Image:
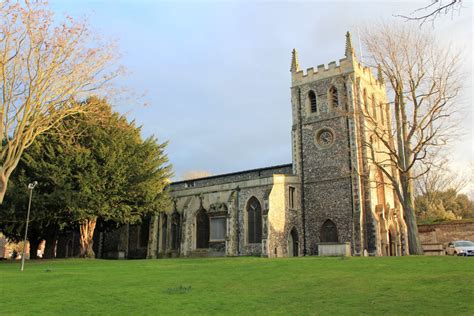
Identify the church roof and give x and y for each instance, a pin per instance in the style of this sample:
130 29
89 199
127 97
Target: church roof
259 171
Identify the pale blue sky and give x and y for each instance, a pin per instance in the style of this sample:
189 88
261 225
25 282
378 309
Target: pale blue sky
216 73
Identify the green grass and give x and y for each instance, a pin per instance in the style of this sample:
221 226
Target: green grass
297 286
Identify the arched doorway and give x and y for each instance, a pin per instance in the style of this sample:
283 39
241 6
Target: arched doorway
202 229
293 243
329 232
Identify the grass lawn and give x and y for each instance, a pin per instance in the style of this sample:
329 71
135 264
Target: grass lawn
310 285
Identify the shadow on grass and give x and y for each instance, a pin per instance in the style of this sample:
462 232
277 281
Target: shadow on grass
178 290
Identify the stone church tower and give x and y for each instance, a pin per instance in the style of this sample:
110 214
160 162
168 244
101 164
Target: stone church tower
345 198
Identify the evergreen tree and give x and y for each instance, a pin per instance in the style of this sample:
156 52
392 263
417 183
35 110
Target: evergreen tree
105 170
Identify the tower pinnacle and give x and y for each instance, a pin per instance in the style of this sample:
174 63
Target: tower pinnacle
349 48
294 61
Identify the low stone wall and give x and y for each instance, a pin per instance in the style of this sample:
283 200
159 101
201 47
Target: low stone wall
334 249
443 233
433 249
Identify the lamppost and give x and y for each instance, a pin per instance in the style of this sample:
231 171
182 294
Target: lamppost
31 186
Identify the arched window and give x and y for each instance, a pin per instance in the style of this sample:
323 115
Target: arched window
254 222
312 101
175 230
333 97
202 229
366 102
329 232
374 107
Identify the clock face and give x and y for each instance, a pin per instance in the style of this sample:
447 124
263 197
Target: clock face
324 137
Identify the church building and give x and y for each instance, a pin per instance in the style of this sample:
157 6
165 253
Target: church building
331 200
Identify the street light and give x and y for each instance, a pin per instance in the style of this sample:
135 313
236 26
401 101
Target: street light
31 186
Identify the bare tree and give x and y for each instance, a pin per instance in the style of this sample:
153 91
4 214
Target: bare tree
423 81
44 66
433 10
441 178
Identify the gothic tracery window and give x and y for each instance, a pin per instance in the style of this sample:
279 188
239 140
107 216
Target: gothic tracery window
254 220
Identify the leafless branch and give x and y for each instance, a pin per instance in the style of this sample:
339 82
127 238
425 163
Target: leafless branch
45 67
433 10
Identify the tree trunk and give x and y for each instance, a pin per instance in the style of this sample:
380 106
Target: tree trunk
50 246
414 242
3 185
406 187
86 228
34 244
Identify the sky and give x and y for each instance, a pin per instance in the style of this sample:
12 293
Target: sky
215 74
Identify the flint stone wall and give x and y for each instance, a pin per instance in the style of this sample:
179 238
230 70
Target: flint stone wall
327 182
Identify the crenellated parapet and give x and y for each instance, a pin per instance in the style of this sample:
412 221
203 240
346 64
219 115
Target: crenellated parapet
348 65
322 72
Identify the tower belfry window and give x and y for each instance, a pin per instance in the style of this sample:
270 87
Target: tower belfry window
334 99
312 101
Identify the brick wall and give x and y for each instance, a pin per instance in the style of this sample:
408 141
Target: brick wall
445 232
